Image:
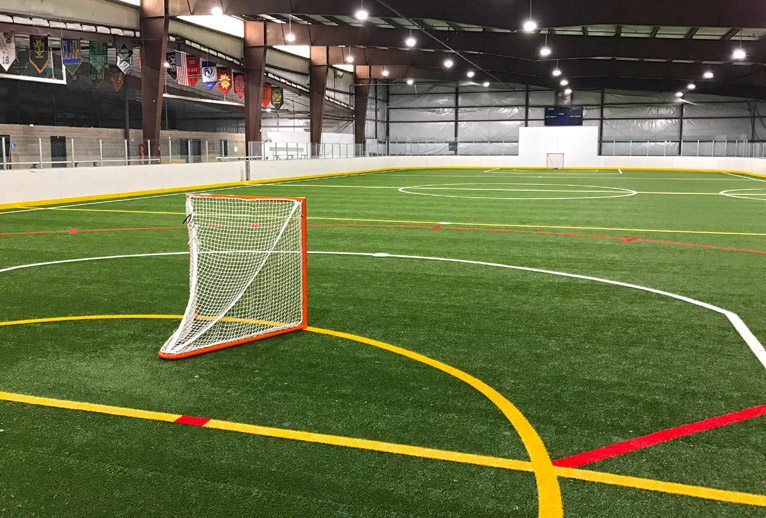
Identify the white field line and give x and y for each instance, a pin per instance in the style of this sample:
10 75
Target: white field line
620 170
745 177
739 325
490 170
742 194
611 192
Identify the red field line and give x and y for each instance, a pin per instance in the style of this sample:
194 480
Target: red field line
651 439
196 421
75 230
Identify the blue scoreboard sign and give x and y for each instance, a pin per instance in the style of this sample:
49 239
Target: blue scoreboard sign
563 115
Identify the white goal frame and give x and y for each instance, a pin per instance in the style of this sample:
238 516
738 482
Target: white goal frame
554 161
247 272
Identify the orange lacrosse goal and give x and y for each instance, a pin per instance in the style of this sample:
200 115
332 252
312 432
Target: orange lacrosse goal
247 272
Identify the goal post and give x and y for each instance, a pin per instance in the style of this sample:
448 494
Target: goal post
554 160
247 272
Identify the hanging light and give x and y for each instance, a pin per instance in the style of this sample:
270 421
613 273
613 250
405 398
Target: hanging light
568 91
410 82
485 84
708 75
448 63
216 11
556 72
691 86
290 37
470 74
739 54
349 59
530 26
545 51
385 72
679 94
411 41
362 14
564 82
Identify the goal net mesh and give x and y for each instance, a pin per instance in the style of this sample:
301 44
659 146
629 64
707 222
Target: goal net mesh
247 272
554 161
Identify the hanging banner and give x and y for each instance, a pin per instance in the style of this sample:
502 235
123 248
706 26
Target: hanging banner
266 95
209 74
7 50
22 62
70 55
39 55
116 77
277 97
182 69
97 55
239 85
96 76
224 80
170 60
124 58
194 70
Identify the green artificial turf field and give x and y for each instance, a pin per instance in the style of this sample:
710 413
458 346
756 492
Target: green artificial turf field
589 364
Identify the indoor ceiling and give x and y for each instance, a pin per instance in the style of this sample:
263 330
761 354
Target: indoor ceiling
652 44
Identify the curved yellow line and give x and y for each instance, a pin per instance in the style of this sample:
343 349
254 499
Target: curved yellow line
549 491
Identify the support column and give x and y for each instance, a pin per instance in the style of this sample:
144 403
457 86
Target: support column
154 45
361 100
255 68
318 67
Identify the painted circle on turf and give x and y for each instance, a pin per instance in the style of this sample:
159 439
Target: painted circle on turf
746 194
495 191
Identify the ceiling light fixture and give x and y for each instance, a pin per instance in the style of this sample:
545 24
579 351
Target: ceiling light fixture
545 51
362 14
216 11
470 74
679 94
739 54
556 72
485 84
691 86
385 72
449 63
410 41
564 82
530 26
290 37
708 74
568 91
410 82
349 59
166 64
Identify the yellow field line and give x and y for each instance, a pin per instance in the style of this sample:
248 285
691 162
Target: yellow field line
549 491
404 449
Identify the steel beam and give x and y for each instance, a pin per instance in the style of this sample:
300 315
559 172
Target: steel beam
361 99
318 67
255 67
154 44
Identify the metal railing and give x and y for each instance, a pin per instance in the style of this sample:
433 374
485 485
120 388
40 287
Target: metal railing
52 152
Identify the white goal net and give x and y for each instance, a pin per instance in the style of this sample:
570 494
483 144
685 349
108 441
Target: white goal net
554 161
247 277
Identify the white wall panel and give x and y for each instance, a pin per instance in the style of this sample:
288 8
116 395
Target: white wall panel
656 129
499 113
489 98
422 131
489 130
719 129
423 114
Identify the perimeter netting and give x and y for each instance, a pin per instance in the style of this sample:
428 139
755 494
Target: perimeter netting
554 161
247 272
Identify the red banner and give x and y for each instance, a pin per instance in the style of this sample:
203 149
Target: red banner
224 80
239 85
194 69
266 95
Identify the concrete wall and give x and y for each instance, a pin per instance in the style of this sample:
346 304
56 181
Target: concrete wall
46 184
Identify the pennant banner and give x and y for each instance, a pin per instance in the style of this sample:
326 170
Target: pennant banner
39 54
182 69
70 55
116 77
170 64
96 76
124 58
277 97
97 55
209 74
224 80
194 69
266 95
7 50
239 85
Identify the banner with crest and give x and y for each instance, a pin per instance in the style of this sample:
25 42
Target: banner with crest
277 97
39 53
209 74
116 77
124 58
224 80
7 50
239 85
170 59
97 55
70 55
